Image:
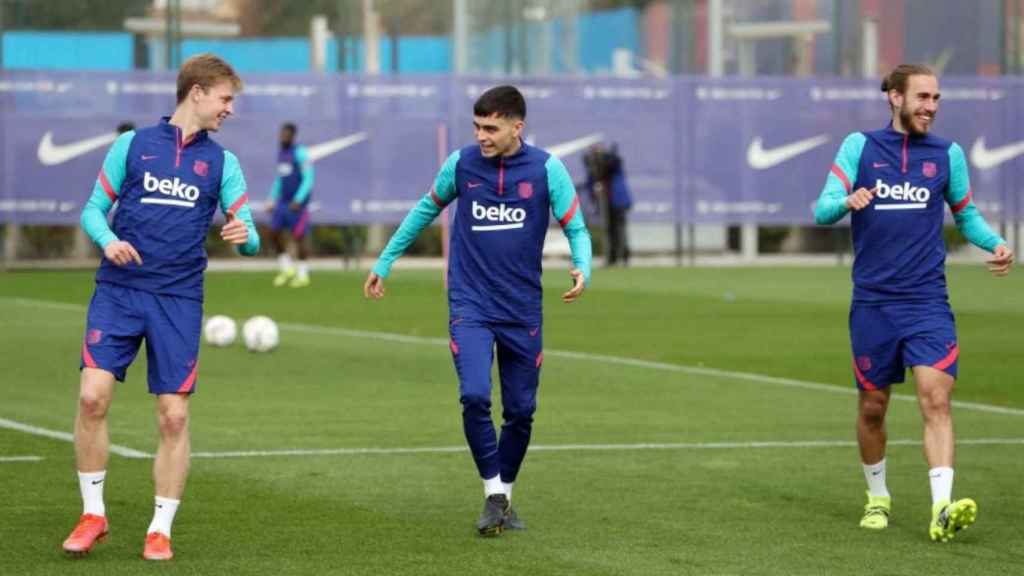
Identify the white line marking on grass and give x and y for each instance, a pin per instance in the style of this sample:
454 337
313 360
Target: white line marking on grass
67 437
5 459
752 445
648 364
617 360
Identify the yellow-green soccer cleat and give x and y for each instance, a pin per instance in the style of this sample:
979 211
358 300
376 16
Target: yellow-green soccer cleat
949 518
299 282
876 512
283 277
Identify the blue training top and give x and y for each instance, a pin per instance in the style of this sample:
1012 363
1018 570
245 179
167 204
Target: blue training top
501 219
166 192
899 253
295 176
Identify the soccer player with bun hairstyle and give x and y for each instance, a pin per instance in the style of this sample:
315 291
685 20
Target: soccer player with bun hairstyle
507 191
896 183
167 181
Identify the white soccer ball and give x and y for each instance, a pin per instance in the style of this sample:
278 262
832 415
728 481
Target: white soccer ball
220 331
260 334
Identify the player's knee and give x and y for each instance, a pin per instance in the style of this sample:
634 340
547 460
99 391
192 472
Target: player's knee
173 421
474 402
521 413
935 404
872 412
93 405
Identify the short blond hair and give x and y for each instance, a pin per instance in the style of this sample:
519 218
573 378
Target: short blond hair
206 70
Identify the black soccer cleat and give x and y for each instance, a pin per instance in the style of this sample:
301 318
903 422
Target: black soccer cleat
492 518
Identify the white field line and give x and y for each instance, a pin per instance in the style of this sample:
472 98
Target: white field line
7 459
589 357
754 445
67 437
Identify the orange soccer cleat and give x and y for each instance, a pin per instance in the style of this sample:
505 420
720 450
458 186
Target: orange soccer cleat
90 530
158 547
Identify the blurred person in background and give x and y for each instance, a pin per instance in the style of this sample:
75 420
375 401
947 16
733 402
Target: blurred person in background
167 181
289 208
606 184
895 182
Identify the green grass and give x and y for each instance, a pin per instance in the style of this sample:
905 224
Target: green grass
706 510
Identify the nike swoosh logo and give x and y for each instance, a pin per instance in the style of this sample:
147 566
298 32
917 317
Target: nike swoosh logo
97 482
51 154
879 164
325 149
985 158
761 159
573 146
144 157
473 184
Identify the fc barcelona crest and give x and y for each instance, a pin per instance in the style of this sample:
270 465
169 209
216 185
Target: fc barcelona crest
201 168
929 170
525 190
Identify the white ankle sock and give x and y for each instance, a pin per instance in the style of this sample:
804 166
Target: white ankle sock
493 486
875 475
91 486
284 261
163 516
942 484
303 269
507 486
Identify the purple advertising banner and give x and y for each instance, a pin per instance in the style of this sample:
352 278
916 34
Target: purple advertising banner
695 150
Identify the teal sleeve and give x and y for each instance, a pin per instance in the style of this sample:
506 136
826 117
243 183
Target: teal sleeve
105 192
429 206
565 206
968 218
831 205
275 189
234 199
306 186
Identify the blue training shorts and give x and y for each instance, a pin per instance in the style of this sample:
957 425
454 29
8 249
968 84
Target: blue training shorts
295 221
889 338
120 317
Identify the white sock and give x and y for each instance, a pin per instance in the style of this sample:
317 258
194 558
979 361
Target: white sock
284 261
942 484
303 269
91 486
507 486
875 475
163 516
493 486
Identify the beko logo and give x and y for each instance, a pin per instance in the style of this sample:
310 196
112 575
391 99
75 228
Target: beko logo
504 217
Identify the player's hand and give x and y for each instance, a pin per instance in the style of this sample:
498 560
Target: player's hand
577 287
268 206
235 231
374 287
860 199
294 206
1002 258
121 253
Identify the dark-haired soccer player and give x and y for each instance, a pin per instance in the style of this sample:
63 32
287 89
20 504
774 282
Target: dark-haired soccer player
289 207
896 182
506 190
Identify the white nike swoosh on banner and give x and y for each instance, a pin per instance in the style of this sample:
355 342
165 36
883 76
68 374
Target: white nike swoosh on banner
51 154
984 158
574 146
761 159
325 149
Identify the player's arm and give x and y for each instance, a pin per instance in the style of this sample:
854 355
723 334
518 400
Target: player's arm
234 203
838 197
968 218
565 208
306 170
430 205
275 193
104 194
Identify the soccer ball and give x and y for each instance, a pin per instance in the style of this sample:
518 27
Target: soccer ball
260 334
220 331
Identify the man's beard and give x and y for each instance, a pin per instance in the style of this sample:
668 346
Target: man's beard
907 120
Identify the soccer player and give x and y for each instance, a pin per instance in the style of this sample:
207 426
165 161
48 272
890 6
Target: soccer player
895 181
167 180
505 189
288 204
